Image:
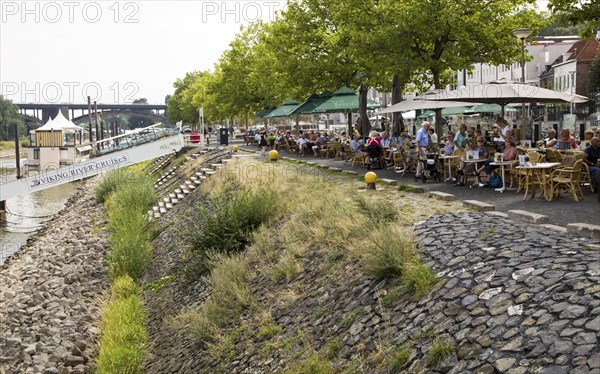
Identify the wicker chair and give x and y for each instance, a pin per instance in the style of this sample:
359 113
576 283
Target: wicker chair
566 180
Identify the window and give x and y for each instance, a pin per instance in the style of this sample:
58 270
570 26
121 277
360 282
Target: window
36 154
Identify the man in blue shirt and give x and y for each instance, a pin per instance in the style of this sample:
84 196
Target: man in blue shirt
590 157
423 136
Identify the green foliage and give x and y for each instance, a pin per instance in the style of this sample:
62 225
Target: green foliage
578 12
418 279
439 351
110 182
268 331
123 342
124 287
313 364
160 283
334 346
225 226
378 211
387 255
398 358
131 195
9 117
409 188
427 333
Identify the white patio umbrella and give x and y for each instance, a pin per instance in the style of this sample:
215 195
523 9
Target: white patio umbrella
422 102
504 93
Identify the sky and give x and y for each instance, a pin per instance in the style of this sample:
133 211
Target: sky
115 51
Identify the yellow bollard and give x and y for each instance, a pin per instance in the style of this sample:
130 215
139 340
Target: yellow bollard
273 155
371 178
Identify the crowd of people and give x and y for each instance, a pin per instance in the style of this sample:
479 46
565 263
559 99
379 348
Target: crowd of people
426 143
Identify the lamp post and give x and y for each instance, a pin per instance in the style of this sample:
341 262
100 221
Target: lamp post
523 34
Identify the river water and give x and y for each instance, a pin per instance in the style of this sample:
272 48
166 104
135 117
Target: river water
29 212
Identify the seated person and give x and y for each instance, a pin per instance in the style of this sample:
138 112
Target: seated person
590 157
450 146
565 137
587 140
386 141
509 154
432 135
551 140
356 144
302 144
271 140
462 138
373 140
472 167
319 143
343 139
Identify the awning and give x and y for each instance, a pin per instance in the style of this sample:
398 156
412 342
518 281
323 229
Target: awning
84 148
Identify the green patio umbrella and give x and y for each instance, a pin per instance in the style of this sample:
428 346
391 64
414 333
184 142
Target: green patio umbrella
426 114
455 110
267 109
311 103
284 110
344 100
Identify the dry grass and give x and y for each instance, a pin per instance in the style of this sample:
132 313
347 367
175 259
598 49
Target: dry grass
317 215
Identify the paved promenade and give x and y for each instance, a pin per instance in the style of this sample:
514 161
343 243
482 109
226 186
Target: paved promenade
560 212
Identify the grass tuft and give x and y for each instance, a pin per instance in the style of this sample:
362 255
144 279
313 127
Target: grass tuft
378 211
398 358
313 364
418 279
388 253
439 351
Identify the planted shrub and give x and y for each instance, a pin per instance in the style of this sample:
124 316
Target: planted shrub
226 223
110 182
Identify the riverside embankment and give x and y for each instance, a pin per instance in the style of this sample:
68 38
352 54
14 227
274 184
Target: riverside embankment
51 292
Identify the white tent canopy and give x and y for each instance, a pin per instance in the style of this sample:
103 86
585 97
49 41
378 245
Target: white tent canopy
59 123
421 102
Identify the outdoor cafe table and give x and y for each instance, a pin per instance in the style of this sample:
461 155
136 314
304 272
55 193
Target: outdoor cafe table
502 164
536 176
449 162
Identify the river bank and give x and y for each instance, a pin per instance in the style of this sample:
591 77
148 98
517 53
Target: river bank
28 213
51 292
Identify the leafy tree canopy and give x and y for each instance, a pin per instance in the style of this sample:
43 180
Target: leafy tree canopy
9 117
580 13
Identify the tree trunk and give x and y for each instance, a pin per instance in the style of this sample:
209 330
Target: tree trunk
397 120
439 120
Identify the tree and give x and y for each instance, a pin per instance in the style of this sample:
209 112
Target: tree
585 13
177 108
9 117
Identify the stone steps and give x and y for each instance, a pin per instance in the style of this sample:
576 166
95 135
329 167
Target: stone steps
184 188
